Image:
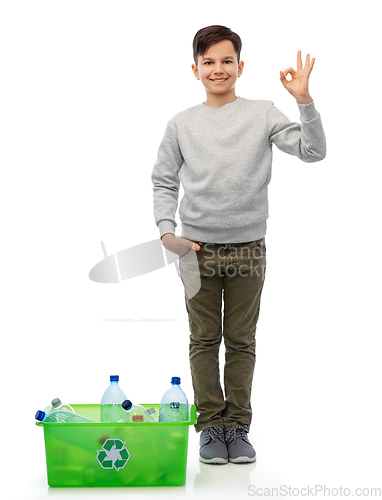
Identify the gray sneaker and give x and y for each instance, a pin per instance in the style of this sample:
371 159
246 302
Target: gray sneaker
240 449
213 449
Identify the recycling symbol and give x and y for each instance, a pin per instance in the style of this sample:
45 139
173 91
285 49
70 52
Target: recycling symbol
113 454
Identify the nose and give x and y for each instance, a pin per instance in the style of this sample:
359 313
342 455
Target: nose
218 69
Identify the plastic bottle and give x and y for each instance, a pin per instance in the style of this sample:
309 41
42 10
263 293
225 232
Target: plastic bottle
56 404
174 414
136 413
168 410
151 411
60 416
111 409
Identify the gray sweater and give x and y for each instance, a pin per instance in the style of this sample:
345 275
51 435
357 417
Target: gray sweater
223 158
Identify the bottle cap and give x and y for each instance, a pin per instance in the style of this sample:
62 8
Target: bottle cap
56 402
114 378
127 404
175 380
40 415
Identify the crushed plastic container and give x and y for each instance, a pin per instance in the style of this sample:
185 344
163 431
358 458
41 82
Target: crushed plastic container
116 454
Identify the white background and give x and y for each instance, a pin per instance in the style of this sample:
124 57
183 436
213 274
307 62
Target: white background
87 88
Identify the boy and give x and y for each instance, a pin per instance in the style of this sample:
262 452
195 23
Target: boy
221 151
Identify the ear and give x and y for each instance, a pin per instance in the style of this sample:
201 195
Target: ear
195 71
240 68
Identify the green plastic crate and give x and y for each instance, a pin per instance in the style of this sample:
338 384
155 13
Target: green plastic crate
116 454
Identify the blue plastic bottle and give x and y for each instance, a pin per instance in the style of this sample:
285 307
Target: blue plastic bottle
111 409
174 404
61 417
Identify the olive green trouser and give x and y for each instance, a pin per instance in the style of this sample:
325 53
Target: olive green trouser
235 272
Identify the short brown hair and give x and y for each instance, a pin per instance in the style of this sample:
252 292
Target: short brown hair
210 35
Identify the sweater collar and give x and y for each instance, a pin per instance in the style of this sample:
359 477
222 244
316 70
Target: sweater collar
229 105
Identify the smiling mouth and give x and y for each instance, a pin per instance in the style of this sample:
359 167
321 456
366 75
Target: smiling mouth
219 80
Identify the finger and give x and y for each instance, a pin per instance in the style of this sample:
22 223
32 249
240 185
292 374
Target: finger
299 62
195 246
311 65
284 81
290 70
307 61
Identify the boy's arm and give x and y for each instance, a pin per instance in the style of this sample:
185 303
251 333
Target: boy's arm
306 140
166 181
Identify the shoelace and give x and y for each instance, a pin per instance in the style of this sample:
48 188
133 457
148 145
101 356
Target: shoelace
215 433
236 433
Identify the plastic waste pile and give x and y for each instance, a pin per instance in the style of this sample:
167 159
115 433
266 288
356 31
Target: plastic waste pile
115 407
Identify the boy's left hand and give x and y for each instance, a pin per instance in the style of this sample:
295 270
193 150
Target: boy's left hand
298 86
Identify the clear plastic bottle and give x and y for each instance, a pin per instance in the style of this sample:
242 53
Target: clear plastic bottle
136 413
60 416
56 404
174 400
151 411
111 409
174 414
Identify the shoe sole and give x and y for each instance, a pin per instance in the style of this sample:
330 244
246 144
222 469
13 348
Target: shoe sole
242 460
217 460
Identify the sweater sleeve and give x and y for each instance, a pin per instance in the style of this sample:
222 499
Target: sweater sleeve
305 140
166 181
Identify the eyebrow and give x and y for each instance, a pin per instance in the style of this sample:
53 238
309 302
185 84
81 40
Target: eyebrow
210 58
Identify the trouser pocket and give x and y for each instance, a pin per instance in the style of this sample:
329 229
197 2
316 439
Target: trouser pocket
259 247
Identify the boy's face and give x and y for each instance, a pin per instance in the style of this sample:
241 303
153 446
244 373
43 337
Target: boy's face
219 62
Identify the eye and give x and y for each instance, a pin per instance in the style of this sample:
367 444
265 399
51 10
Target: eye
210 62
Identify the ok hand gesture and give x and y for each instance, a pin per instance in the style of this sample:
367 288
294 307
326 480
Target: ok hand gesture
298 85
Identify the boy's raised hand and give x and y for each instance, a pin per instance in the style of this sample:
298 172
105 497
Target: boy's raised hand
298 85
180 246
